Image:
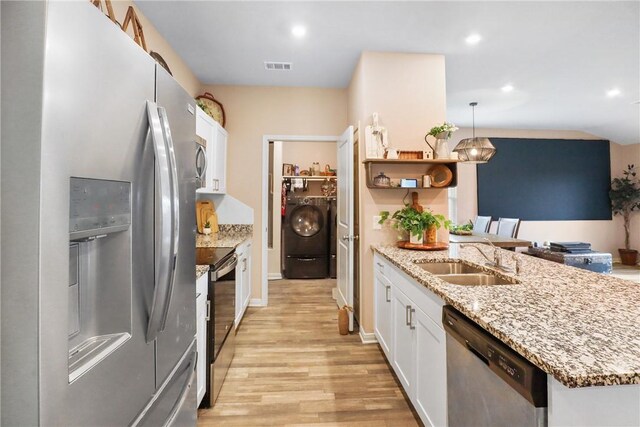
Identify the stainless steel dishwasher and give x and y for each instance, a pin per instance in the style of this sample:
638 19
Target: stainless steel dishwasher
489 384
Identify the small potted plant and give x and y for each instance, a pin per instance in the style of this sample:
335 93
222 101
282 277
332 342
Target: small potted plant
417 224
434 222
443 131
206 228
625 199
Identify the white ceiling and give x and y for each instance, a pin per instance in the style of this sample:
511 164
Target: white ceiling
561 57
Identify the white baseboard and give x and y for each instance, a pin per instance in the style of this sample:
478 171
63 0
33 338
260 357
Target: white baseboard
257 302
367 337
274 276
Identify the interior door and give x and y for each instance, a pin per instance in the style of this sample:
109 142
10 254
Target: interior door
345 236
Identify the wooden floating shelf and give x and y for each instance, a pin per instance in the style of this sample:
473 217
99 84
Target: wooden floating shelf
412 165
410 161
311 177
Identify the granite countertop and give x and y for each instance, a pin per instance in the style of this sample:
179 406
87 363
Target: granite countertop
229 236
580 327
201 270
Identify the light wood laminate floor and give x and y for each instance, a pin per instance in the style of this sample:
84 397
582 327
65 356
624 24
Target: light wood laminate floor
291 367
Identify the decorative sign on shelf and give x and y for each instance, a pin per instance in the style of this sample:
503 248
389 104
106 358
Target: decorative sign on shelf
138 34
212 107
110 14
131 18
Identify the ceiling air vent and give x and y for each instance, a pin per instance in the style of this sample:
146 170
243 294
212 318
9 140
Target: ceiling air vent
278 66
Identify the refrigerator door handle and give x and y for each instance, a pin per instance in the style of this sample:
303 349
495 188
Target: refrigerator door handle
164 264
175 208
185 390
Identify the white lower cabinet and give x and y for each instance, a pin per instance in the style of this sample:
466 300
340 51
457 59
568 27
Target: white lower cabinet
243 280
201 334
430 394
246 278
409 330
382 326
403 354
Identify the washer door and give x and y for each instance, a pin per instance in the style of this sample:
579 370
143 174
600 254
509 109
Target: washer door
306 221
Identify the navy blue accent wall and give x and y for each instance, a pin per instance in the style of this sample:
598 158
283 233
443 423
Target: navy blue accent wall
546 180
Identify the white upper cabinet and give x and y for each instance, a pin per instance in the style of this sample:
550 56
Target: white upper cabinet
216 138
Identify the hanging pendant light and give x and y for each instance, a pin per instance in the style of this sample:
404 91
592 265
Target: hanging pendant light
475 150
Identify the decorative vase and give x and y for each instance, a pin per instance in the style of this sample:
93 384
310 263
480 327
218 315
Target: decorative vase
416 240
441 146
431 234
628 256
206 231
343 320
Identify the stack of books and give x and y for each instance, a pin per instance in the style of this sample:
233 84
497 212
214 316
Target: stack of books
571 247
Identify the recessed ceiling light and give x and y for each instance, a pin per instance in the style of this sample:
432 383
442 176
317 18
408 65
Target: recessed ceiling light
613 92
507 88
299 31
473 39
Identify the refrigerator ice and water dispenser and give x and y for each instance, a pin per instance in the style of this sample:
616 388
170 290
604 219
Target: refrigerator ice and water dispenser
100 281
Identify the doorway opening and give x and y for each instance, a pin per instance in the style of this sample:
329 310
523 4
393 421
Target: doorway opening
300 186
301 207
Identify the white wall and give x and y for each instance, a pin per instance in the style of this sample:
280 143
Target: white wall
229 209
253 112
605 236
304 153
409 93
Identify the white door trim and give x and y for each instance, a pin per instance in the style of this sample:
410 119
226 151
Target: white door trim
264 274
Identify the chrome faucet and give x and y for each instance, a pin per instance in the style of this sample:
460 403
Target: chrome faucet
516 260
497 256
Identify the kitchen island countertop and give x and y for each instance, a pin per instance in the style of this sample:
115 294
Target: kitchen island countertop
578 326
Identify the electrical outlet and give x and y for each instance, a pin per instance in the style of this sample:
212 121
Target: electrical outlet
376 224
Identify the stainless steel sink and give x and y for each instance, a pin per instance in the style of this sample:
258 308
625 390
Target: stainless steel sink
448 268
463 274
479 279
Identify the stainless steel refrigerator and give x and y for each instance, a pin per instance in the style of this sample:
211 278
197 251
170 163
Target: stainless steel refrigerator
98 228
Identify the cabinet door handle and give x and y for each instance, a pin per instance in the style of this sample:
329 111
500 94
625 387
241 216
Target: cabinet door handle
411 311
407 311
387 297
244 264
208 311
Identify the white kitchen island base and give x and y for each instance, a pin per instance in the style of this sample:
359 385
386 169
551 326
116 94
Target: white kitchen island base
405 308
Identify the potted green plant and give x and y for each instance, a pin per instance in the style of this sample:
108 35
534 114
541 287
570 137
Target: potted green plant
625 199
417 224
443 131
434 222
206 228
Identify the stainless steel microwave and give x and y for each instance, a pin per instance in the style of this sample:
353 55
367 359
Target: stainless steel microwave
201 162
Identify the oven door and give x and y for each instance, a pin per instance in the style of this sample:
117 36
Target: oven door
224 303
